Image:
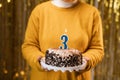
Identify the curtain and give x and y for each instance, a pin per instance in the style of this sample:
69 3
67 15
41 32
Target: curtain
14 15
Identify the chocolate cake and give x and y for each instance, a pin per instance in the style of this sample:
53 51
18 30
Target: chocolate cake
63 57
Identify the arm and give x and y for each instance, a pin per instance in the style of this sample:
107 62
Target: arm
95 51
31 48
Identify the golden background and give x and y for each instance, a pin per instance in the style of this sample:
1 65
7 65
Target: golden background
13 19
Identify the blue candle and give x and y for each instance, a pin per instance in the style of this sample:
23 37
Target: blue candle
64 37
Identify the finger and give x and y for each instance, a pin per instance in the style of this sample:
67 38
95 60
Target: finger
86 58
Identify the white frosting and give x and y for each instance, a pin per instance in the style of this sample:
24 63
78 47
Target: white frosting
64 52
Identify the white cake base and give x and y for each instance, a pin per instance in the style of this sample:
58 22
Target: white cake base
63 69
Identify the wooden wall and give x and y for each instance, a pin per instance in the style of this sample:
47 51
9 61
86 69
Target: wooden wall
13 19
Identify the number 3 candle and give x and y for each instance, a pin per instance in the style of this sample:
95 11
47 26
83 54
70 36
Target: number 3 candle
64 37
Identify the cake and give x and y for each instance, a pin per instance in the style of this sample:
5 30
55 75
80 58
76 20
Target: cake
63 57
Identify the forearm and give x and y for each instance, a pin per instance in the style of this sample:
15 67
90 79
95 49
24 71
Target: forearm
31 53
94 56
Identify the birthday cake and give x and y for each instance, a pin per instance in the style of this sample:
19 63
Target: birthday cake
63 59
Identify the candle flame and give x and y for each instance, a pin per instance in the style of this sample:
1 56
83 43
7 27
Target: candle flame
65 30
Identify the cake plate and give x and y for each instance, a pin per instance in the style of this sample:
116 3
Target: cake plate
63 69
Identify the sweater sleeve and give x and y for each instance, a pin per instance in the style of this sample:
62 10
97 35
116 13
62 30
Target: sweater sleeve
30 47
95 51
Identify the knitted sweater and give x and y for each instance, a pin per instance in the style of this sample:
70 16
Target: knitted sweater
81 23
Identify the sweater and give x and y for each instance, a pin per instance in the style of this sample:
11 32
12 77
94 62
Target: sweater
81 23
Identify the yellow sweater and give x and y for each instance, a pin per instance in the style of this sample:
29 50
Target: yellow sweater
48 22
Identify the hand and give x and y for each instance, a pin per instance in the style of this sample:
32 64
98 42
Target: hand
39 59
86 58
85 64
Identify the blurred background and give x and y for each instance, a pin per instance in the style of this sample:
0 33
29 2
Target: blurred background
13 19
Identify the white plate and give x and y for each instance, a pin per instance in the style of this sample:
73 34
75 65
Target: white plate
63 69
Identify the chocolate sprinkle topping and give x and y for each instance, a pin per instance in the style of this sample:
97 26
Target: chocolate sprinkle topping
66 61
